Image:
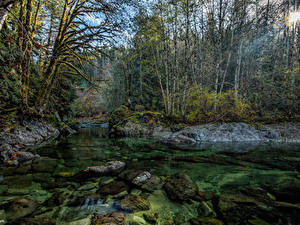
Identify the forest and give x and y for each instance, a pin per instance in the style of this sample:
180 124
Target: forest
195 61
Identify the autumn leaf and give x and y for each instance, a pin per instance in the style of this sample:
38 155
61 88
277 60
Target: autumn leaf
13 156
37 45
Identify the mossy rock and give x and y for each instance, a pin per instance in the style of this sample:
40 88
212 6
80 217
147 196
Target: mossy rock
119 115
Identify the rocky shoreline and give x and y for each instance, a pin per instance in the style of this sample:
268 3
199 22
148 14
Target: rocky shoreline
212 133
15 142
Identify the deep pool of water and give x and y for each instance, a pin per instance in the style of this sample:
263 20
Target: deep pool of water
248 171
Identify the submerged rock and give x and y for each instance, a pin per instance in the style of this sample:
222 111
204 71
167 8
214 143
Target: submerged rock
25 156
181 187
19 208
114 218
133 203
152 184
113 188
141 178
112 167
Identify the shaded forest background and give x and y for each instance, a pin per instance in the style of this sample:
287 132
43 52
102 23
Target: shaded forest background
196 61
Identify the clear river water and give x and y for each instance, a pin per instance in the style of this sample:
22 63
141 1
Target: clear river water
237 183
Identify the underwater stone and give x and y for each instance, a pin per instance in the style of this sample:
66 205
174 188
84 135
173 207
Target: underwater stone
134 203
20 207
113 188
180 187
154 183
25 156
108 168
136 192
114 218
141 178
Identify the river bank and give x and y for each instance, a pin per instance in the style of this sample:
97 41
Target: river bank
15 142
227 132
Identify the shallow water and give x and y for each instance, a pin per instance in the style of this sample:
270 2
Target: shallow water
215 167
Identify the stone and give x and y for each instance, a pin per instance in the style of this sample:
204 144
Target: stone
114 218
5 147
152 184
112 167
88 187
20 207
180 187
136 192
25 156
141 178
113 188
129 175
58 198
133 203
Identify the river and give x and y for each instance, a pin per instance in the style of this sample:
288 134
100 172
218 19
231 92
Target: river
248 183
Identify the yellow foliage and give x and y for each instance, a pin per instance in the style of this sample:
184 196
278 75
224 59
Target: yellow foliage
206 107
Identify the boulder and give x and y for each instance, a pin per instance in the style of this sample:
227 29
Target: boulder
141 178
114 218
5 147
152 184
19 208
113 167
25 156
181 187
133 203
113 188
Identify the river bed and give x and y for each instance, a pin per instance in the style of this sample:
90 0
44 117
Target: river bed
237 183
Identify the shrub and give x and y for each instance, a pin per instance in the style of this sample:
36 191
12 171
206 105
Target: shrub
205 107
